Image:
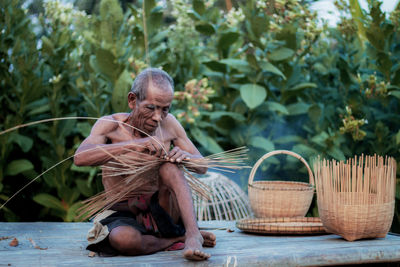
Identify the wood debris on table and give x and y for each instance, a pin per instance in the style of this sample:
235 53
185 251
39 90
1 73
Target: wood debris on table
14 242
36 246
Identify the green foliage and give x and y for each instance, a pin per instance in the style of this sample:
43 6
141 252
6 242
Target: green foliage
263 75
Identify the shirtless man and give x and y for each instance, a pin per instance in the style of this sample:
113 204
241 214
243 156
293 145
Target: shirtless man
149 100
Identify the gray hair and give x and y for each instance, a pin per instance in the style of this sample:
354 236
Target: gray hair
157 77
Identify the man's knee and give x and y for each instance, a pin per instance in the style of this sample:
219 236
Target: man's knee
170 173
126 240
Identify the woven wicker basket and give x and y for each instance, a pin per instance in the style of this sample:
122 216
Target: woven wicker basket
356 199
227 200
280 198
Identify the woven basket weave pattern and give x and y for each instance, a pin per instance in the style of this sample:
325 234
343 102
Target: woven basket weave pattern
279 198
365 211
227 200
292 225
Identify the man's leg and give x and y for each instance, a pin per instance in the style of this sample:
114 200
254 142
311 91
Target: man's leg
129 241
172 177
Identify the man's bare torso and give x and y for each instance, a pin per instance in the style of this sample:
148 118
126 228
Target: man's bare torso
121 133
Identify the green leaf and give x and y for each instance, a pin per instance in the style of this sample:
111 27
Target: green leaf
206 141
239 64
68 194
205 28
234 115
302 86
84 188
267 66
259 24
314 112
358 16
227 39
198 6
1 187
263 143
298 108
18 166
47 46
320 139
49 201
336 153
395 94
397 190
84 128
148 6
253 95
398 138
280 54
72 212
107 64
304 150
119 98
320 68
277 107
25 143
215 66
288 139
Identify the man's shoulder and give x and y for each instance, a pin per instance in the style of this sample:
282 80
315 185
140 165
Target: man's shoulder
111 122
174 126
171 120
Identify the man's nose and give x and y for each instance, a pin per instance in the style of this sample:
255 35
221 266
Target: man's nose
157 115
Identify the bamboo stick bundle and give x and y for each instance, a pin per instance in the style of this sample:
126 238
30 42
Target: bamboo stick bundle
356 198
135 168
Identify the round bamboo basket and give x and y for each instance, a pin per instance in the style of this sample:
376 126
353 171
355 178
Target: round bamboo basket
227 200
280 198
356 198
282 226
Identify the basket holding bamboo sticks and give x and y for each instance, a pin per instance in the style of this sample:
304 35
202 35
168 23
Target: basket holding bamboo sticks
227 200
280 198
356 198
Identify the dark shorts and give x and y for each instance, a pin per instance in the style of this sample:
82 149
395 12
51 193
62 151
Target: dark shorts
154 220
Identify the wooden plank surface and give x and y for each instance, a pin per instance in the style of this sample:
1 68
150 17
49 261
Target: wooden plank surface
66 243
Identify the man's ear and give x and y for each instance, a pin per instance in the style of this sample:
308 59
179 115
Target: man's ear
132 99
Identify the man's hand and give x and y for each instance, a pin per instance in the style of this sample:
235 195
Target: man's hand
178 155
152 145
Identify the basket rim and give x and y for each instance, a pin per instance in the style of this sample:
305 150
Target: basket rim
301 186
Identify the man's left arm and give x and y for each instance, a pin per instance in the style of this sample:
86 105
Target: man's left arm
183 149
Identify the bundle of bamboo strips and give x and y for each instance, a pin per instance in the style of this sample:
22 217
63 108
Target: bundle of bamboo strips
136 166
356 198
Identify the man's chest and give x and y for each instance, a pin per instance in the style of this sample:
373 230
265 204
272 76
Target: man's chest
122 135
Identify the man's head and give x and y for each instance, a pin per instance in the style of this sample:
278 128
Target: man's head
150 99
158 78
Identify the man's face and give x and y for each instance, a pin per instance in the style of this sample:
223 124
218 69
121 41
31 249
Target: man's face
149 113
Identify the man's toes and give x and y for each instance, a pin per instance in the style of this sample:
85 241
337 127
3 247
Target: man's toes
196 255
209 243
201 254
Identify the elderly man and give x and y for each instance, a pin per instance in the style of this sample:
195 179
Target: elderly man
164 219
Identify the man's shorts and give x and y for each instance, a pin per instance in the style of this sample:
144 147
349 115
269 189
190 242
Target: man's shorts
151 220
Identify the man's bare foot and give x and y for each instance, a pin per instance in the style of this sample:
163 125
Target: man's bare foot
194 249
209 239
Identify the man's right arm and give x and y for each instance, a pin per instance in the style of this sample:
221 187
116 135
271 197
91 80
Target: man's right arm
94 151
